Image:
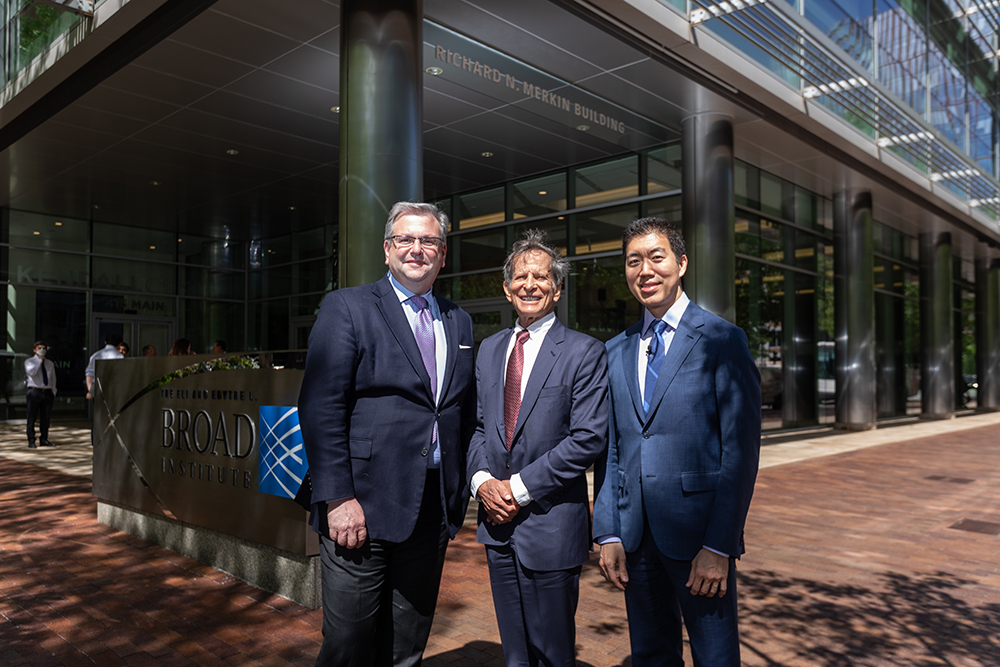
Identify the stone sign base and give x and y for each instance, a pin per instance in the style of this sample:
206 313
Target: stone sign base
294 577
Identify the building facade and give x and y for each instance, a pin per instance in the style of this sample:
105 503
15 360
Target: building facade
210 169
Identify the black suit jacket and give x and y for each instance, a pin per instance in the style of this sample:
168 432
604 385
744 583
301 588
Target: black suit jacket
367 411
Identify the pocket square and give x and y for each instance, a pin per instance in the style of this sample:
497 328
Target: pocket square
465 347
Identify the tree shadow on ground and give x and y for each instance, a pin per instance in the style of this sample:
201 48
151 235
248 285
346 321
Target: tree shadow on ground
897 619
476 654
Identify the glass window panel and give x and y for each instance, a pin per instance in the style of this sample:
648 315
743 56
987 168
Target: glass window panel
204 322
46 231
133 276
806 208
271 283
808 247
604 306
199 281
948 89
902 43
607 182
777 196
747 234
481 208
307 304
42 267
271 251
481 250
539 196
269 325
760 313
668 208
663 169
601 231
131 304
776 59
134 242
772 247
847 23
309 244
478 286
312 276
206 251
747 185
38 26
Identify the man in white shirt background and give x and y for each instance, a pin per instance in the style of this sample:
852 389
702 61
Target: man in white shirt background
41 380
109 351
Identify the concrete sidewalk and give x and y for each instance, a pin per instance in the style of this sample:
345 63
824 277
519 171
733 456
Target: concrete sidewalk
874 548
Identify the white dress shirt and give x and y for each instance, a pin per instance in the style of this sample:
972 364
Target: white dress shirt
107 352
536 331
33 369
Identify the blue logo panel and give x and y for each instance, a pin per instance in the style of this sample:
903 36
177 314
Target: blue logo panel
283 462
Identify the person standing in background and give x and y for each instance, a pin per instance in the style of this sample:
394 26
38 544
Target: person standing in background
41 379
109 351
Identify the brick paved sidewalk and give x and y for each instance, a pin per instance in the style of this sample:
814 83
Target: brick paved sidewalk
851 561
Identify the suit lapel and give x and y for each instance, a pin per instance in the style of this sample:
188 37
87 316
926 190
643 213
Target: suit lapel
399 326
629 363
548 354
451 346
498 361
687 334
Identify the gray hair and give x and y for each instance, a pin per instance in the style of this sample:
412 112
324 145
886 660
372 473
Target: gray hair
401 208
536 240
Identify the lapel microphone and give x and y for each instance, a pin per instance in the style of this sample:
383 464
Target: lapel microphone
649 350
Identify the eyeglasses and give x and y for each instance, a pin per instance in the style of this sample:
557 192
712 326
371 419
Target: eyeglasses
425 241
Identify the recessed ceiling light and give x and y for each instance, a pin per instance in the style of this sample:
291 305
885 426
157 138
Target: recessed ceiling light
232 151
37 233
291 208
154 183
486 154
58 224
152 247
434 71
96 206
583 128
179 240
561 218
542 192
335 109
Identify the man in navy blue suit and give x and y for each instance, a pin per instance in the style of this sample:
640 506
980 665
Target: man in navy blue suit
683 446
387 409
542 421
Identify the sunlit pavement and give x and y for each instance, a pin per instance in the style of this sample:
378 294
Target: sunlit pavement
875 548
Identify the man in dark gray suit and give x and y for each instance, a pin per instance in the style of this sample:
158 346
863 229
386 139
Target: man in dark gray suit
542 421
387 408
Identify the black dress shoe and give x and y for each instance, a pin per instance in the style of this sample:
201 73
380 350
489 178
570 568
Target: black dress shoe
31 445
46 443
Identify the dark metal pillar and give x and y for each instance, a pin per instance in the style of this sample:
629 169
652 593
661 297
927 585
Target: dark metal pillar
988 334
707 204
381 119
937 333
854 310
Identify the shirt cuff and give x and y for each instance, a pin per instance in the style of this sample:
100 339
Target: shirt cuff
607 539
520 491
478 478
715 551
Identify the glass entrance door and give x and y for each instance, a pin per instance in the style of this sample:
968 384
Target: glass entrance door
137 332
488 317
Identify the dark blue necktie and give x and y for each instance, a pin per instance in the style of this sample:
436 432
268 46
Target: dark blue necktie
45 375
654 361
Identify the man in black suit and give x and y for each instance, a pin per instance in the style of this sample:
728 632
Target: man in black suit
387 409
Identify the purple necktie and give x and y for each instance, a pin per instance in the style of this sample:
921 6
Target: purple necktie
423 331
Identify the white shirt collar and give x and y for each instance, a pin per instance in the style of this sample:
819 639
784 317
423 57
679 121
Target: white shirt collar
538 327
672 317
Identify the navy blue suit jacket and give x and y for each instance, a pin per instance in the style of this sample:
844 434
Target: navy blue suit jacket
367 412
561 429
689 465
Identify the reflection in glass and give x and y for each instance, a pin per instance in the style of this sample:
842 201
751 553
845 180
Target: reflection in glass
902 51
539 196
48 268
607 182
481 208
480 250
129 276
601 231
47 231
134 242
603 306
663 169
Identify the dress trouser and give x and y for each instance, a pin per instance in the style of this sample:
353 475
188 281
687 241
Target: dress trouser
39 406
378 600
656 600
536 610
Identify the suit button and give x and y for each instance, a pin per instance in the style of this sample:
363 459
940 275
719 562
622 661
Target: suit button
646 435
508 464
423 452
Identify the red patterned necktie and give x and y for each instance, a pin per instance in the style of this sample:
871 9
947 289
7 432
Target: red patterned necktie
512 386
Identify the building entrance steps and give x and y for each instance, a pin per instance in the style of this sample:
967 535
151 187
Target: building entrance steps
874 548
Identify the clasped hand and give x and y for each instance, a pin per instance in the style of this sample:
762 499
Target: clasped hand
498 501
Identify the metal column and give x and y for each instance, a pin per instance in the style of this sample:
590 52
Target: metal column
937 334
381 121
988 334
854 310
707 204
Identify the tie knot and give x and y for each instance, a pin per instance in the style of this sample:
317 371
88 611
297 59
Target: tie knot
420 301
522 336
658 326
